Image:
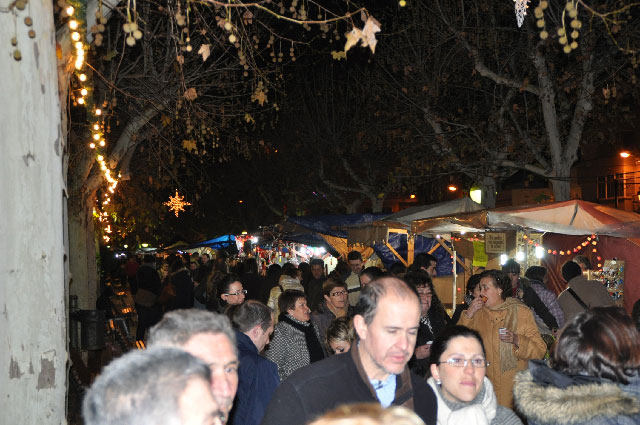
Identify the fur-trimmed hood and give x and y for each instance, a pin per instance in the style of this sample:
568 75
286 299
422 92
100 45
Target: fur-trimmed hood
589 403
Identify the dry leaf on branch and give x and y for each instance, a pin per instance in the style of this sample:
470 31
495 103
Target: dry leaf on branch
247 17
260 97
205 51
367 35
189 145
338 55
371 27
353 37
191 94
180 59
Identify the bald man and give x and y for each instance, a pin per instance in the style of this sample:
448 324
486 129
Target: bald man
374 370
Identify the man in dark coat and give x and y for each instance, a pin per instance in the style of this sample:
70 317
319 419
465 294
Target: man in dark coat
374 370
257 376
146 297
313 285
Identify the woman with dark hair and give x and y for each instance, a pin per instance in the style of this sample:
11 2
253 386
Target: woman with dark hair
508 330
594 374
230 292
304 270
433 319
334 305
295 342
458 378
271 280
635 314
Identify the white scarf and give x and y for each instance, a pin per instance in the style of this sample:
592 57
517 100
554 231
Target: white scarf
481 412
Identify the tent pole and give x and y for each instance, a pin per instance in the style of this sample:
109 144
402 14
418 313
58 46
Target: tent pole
455 281
394 252
442 244
410 248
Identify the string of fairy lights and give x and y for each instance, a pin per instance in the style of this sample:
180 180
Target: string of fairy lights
82 95
590 241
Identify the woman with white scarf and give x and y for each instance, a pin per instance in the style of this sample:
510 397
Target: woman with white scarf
465 395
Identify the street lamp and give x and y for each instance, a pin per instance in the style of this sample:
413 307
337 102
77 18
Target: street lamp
625 154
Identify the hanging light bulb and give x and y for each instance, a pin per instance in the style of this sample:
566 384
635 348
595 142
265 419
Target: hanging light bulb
102 143
82 77
73 24
84 93
75 36
92 145
81 101
96 126
98 111
70 10
96 136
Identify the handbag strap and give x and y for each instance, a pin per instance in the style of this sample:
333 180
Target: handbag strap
572 292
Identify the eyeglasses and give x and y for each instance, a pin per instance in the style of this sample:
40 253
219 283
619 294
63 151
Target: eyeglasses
338 294
243 292
478 362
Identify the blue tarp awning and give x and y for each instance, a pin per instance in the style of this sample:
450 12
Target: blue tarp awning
331 224
221 242
398 241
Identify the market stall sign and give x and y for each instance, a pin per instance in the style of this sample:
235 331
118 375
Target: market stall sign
495 243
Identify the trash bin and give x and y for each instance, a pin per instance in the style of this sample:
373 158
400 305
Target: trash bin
92 324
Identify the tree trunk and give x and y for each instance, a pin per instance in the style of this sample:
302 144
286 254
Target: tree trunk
562 184
82 258
352 207
488 187
32 294
376 204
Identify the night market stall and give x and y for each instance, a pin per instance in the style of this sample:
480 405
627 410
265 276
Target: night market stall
553 233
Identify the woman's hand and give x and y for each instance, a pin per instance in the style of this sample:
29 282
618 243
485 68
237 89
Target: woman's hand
475 305
509 337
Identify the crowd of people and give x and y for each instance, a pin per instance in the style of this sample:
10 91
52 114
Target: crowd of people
369 346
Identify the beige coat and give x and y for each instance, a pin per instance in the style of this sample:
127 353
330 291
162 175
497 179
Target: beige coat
591 292
530 345
287 283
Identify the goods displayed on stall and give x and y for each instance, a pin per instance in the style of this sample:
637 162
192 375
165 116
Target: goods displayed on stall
612 276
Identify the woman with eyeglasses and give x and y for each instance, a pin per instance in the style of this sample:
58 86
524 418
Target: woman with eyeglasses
458 377
334 305
231 292
508 330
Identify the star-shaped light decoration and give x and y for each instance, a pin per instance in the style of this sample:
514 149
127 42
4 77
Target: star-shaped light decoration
176 203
